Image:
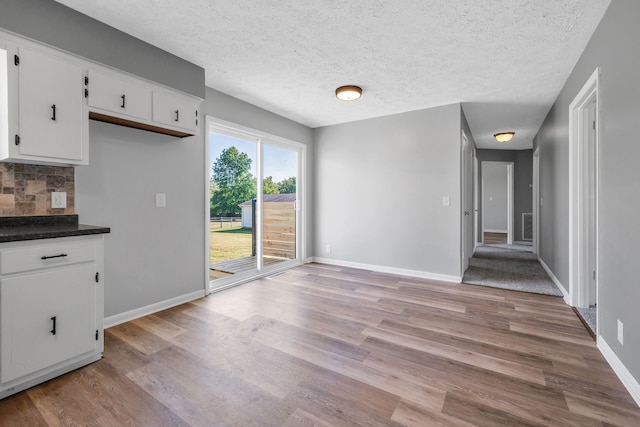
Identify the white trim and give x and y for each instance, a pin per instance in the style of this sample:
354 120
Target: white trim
464 229
536 201
476 204
621 371
510 200
390 270
577 248
207 209
555 280
150 309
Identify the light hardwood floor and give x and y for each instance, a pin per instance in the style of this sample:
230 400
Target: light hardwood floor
323 346
495 238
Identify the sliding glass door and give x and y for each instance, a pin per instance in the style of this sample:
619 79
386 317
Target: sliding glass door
279 201
254 204
232 185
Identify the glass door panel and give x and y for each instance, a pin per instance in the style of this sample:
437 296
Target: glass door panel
232 194
279 214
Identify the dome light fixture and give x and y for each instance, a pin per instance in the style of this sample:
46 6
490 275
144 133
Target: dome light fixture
348 93
504 136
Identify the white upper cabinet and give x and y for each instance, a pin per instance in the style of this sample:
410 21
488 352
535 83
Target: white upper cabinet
118 95
47 98
176 111
118 98
45 109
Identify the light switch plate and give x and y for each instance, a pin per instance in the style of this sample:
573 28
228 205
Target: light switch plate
58 199
161 200
446 201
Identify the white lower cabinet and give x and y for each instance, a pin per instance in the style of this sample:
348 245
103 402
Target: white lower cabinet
51 309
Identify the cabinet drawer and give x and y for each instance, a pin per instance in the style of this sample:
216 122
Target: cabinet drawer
44 256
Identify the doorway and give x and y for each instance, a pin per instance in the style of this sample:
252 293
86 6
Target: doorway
254 215
583 198
536 201
467 207
497 202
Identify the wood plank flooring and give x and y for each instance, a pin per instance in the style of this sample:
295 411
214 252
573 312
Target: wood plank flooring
327 346
495 238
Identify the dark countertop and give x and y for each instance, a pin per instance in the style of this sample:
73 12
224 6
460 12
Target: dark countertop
16 228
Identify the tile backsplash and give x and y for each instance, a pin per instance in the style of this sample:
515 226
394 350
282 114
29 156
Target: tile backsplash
26 189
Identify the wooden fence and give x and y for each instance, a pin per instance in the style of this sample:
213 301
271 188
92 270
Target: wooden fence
279 229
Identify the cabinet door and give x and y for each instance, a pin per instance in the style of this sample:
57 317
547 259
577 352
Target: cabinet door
119 96
175 110
50 107
28 306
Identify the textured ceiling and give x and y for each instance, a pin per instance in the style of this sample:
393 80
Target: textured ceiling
504 60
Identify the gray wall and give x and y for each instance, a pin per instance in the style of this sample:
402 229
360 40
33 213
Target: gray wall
57 25
152 254
613 48
523 177
227 108
379 199
495 197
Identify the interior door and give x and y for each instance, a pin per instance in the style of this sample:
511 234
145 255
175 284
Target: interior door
467 203
590 200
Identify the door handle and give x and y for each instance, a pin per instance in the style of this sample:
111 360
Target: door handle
177 115
53 331
53 117
124 98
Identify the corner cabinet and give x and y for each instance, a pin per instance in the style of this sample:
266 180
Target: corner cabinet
51 309
45 112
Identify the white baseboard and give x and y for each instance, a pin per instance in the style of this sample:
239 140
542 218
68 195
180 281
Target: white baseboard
150 309
621 371
390 270
491 230
555 280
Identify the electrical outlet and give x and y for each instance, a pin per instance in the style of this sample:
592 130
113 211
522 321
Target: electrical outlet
161 200
620 332
58 199
328 249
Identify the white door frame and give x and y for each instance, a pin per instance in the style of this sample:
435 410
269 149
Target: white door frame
536 202
579 289
476 201
510 199
466 235
217 125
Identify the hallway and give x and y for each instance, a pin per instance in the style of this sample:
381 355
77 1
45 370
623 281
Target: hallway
513 267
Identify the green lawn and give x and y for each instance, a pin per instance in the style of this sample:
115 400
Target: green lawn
229 242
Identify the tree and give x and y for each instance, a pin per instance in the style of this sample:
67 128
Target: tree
235 184
287 186
269 187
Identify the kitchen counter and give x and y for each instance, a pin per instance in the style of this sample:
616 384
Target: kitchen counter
17 228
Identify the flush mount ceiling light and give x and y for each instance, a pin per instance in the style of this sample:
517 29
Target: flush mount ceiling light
348 93
504 136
